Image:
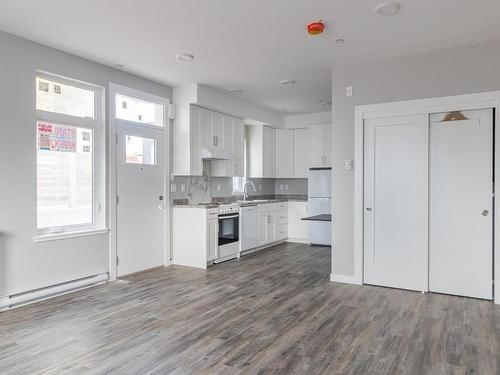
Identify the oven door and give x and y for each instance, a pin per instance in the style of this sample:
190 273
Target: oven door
229 229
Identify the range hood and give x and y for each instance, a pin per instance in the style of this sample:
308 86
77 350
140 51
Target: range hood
207 154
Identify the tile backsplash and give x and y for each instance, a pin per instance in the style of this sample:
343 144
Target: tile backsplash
203 189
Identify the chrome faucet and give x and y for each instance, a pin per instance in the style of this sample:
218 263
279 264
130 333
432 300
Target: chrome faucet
245 192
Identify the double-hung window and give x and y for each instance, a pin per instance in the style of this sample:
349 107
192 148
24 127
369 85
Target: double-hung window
69 156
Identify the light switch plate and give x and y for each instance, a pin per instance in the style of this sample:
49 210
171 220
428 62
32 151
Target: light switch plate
349 165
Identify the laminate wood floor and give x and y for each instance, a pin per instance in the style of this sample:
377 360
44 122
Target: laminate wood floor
272 312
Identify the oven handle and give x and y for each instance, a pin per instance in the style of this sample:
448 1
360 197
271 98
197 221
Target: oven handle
228 217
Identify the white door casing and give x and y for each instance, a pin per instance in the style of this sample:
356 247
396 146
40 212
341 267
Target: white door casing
461 205
396 196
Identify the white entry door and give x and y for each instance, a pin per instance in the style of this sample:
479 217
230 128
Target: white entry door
141 198
395 202
461 204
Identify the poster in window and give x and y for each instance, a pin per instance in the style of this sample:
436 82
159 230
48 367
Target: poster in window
54 137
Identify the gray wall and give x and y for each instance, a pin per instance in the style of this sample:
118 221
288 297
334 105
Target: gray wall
25 265
448 72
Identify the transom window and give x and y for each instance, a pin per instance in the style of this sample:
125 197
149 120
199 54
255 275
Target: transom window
138 110
69 160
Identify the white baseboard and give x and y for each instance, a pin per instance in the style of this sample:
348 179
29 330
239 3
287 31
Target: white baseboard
345 279
297 240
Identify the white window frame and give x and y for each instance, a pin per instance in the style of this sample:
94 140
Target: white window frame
98 159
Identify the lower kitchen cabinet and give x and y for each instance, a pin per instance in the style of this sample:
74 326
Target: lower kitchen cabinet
297 228
212 238
195 236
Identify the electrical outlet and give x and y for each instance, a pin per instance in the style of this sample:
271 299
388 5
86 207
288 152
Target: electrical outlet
348 165
348 91
183 188
260 187
219 187
281 186
286 187
173 188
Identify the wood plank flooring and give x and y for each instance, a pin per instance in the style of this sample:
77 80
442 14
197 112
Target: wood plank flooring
271 312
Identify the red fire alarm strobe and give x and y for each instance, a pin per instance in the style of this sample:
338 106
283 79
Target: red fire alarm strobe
316 28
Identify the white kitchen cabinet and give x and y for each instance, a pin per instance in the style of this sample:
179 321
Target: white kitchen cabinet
234 130
212 131
261 151
320 146
187 159
267 223
297 228
301 153
212 238
284 153
195 236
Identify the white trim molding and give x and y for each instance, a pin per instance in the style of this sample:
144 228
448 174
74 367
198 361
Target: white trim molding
112 188
345 279
416 107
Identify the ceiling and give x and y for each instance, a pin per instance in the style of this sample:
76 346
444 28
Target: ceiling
248 44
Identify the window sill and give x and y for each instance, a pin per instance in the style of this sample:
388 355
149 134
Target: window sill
74 234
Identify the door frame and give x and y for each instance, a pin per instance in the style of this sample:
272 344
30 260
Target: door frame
485 100
112 190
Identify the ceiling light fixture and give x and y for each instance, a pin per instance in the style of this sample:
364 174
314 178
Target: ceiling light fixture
288 82
387 9
235 91
184 57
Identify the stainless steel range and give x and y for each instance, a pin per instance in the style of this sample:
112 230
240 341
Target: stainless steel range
229 232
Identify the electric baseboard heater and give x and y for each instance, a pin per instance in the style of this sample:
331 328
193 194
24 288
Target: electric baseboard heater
51 291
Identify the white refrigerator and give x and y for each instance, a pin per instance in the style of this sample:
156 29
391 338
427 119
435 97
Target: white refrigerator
320 202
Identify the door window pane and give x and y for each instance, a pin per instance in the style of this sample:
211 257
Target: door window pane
137 110
140 150
64 175
65 99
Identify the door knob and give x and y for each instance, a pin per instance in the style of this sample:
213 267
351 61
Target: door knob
485 213
369 209
160 197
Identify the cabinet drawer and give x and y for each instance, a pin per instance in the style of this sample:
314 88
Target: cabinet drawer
282 232
267 207
212 213
281 206
281 217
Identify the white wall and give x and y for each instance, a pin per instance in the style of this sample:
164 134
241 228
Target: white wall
441 73
308 119
25 265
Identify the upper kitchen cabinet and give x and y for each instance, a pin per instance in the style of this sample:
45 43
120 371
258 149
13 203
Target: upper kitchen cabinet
187 159
320 146
261 151
301 153
234 130
284 153
215 135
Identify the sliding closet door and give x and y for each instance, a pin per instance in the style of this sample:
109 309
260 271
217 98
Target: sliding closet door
461 204
396 202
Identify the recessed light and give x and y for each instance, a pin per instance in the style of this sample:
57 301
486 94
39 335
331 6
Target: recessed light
288 82
387 9
235 91
184 57
340 41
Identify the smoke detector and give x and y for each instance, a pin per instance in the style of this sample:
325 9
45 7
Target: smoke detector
387 9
